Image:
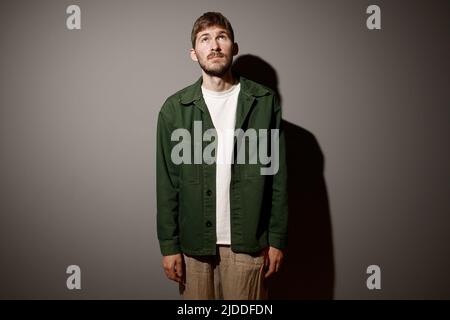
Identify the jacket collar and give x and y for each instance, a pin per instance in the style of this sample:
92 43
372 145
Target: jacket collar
249 88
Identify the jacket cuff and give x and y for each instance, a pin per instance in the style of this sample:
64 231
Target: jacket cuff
169 247
277 240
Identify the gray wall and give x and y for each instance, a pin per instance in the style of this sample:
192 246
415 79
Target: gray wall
367 122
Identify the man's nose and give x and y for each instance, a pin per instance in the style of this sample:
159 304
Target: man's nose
215 45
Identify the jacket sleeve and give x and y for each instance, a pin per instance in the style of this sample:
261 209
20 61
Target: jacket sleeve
278 223
167 190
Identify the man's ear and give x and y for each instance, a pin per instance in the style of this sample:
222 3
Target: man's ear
235 48
193 55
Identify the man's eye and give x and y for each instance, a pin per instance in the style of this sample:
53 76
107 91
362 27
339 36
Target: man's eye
204 39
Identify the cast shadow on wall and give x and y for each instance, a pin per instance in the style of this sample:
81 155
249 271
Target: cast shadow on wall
308 270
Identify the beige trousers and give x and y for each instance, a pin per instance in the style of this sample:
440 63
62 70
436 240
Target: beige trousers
227 275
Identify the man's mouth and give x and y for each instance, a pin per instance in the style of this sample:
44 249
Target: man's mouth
215 57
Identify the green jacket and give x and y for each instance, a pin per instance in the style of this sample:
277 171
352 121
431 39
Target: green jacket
186 202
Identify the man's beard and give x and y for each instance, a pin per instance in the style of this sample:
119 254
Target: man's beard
219 70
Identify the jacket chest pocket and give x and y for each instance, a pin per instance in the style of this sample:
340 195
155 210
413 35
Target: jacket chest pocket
190 174
252 171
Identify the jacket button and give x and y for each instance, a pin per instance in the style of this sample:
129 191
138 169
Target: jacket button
209 193
208 224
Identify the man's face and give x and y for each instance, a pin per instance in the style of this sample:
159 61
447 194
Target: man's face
214 51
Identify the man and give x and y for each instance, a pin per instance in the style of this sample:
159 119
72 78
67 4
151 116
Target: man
222 224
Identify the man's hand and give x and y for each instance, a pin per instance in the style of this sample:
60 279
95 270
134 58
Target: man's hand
273 260
173 267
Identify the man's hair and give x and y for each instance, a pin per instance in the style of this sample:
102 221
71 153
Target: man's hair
210 19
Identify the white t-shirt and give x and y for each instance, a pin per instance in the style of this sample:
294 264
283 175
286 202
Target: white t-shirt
222 107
